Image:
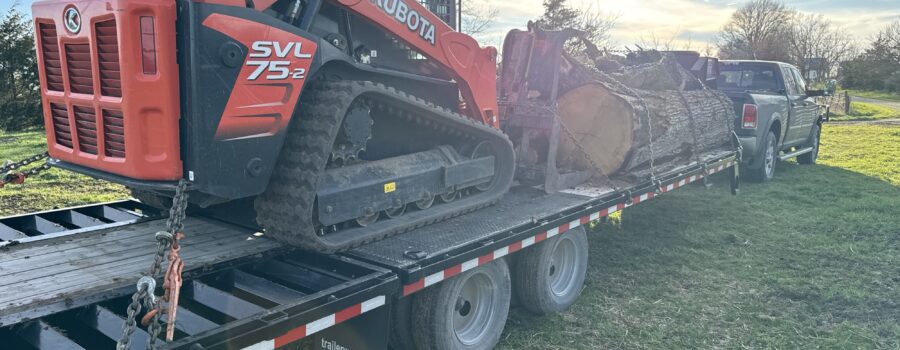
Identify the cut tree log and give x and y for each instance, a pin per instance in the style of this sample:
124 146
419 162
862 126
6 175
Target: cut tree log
623 130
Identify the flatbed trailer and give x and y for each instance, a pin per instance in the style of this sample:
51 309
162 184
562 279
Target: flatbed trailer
66 276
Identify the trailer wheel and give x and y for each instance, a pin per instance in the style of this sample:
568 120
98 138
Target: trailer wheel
549 277
401 337
466 312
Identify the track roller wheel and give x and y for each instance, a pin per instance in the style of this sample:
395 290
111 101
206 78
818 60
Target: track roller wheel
426 202
467 312
367 220
549 277
483 149
449 196
395 212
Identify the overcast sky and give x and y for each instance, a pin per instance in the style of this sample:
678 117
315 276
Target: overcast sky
687 22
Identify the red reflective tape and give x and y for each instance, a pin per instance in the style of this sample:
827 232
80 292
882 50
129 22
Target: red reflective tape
540 237
650 195
413 287
563 227
585 219
620 206
604 212
636 199
484 259
453 271
291 336
515 247
348 313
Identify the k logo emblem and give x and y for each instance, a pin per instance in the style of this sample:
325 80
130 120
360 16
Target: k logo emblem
72 20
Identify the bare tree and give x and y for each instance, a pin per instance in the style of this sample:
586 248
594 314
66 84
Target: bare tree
653 41
817 45
758 30
477 17
596 25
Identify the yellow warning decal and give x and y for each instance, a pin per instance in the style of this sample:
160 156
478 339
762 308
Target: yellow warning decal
390 187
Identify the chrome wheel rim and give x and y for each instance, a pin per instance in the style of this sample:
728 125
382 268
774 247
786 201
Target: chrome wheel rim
475 308
563 269
815 151
770 158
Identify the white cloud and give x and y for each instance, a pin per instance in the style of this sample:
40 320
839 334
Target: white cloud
683 22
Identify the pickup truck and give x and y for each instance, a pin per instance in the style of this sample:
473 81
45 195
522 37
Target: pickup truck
777 118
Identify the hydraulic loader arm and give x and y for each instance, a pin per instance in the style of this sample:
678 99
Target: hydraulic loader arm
474 68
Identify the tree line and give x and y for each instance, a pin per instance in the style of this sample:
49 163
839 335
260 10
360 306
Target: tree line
20 100
878 66
770 30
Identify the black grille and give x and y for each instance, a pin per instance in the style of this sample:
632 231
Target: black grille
114 133
86 126
78 60
50 49
108 58
61 127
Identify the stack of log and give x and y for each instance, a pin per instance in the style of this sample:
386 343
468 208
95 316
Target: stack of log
645 111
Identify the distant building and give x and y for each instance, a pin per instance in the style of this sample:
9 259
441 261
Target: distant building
815 68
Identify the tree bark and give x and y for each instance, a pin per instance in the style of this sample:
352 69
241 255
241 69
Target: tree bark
618 130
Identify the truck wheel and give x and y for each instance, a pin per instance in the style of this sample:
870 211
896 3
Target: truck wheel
549 278
766 171
466 312
810 158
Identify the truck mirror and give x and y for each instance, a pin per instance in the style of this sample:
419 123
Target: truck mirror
816 93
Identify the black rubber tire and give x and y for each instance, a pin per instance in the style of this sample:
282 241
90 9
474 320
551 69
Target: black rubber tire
761 173
532 277
811 157
435 307
401 334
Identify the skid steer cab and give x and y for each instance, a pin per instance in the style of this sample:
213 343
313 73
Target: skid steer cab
336 116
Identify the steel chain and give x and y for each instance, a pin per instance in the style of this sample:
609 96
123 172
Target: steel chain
146 286
8 174
628 89
10 166
586 155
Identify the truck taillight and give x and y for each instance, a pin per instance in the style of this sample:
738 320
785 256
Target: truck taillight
748 120
148 45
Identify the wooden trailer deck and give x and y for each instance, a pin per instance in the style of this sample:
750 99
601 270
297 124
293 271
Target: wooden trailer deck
47 276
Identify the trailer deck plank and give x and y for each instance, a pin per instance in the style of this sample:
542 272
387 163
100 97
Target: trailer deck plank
45 276
441 238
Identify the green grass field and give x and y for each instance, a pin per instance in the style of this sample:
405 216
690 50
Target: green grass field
811 260
867 111
53 188
881 95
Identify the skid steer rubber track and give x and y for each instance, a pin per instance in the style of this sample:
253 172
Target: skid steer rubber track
286 209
